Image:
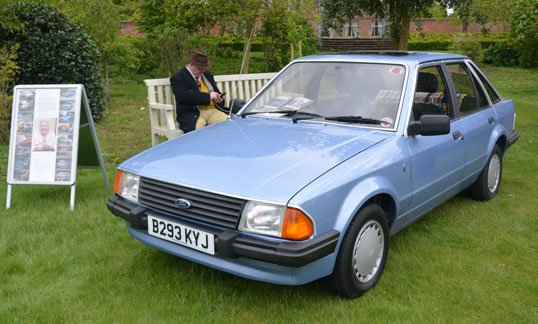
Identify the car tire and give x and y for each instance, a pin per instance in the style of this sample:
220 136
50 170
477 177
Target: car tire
487 185
362 254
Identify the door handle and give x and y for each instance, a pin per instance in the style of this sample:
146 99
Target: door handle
491 120
457 134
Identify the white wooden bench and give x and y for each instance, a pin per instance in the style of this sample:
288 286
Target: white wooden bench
162 106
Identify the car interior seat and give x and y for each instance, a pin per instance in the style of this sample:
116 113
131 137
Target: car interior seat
427 84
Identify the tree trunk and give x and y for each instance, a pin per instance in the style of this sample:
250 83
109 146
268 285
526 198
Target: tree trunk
404 28
292 52
465 25
247 47
107 83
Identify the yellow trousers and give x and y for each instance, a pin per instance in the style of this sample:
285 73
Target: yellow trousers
209 117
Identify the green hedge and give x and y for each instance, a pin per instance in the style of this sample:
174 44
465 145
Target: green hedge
501 54
443 42
256 46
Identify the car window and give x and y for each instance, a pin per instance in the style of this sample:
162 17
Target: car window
335 89
469 93
431 94
492 94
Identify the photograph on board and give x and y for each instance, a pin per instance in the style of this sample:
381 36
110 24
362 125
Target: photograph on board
68 93
63 176
44 138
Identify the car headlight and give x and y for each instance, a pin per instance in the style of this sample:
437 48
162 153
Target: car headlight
275 220
126 185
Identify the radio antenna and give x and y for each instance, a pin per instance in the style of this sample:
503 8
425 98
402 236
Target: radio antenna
240 72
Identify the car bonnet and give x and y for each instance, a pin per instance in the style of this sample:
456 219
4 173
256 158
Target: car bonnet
253 158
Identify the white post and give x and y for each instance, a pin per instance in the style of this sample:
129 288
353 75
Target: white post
72 200
8 198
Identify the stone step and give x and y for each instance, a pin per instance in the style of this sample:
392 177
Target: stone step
349 44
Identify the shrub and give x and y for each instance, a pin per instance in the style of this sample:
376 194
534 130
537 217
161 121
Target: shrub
444 42
8 72
54 50
466 45
524 31
440 45
237 45
500 54
126 58
274 31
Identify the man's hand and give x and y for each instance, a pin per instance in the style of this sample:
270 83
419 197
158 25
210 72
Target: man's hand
215 96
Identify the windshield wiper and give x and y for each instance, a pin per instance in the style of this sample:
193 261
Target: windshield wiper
356 120
286 112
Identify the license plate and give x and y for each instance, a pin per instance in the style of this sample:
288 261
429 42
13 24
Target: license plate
181 234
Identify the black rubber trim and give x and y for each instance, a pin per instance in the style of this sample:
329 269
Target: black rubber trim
232 244
133 214
512 139
287 253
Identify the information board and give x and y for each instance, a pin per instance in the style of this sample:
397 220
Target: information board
48 127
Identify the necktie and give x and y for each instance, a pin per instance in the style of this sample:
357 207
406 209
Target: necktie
198 81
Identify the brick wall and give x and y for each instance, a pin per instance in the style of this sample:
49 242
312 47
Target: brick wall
429 25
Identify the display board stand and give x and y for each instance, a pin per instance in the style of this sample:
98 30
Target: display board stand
52 135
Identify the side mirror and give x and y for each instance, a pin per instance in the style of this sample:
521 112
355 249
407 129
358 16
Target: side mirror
430 125
236 105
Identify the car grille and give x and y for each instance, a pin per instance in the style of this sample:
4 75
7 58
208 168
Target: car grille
205 206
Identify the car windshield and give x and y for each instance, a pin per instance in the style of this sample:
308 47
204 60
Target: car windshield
359 93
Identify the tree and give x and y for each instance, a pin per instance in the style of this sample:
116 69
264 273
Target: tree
8 73
463 10
495 10
274 30
54 50
399 13
100 19
482 12
9 21
438 11
285 27
152 17
192 15
524 32
249 11
301 33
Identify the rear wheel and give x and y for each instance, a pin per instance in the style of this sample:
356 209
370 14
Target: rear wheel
487 185
362 255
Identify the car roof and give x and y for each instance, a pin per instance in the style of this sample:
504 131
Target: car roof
408 57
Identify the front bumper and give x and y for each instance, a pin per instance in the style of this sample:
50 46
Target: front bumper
232 244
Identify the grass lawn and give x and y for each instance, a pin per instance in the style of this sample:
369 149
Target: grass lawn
465 262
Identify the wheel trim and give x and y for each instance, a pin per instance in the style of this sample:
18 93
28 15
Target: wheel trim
368 251
494 173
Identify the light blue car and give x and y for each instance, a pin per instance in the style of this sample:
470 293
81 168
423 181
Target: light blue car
315 173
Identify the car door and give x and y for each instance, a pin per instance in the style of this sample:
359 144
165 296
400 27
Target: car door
437 161
476 114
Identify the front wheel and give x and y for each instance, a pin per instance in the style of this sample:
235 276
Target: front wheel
362 255
487 185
